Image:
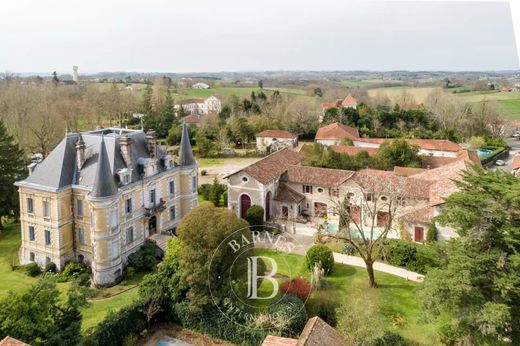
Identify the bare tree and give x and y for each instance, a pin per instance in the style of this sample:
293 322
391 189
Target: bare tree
366 217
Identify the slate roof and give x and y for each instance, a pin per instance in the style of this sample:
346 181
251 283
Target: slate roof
337 131
276 134
185 152
104 184
60 170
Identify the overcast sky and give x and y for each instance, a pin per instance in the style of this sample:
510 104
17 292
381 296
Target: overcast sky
238 35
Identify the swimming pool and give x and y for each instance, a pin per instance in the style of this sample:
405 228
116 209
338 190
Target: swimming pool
333 229
484 152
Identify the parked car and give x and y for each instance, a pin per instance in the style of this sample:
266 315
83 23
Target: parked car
516 135
500 163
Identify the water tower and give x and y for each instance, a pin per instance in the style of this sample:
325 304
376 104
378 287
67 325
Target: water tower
75 76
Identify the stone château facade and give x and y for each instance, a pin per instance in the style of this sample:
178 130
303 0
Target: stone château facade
99 195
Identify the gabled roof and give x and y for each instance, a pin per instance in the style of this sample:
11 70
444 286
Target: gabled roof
352 150
191 119
272 166
189 101
276 134
318 332
349 101
9 341
326 177
272 340
408 171
337 131
286 194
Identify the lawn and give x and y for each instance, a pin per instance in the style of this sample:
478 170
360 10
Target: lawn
395 296
17 280
512 108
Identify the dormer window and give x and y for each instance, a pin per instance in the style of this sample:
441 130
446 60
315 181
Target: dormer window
125 176
167 161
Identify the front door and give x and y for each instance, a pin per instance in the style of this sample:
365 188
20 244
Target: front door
245 204
285 211
419 234
152 225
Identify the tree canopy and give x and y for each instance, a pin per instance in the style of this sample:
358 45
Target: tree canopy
476 296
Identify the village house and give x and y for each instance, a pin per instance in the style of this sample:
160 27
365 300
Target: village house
334 133
347 102
209 105
200 86
99 195
289 191
274 140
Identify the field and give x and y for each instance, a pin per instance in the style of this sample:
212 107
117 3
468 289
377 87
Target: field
17 281
348 285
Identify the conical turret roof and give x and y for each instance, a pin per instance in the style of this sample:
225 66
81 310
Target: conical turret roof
185 153
104 184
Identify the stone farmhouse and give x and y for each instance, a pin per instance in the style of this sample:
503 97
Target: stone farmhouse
334 133
347 102
205 106
99 195
274 140
307 197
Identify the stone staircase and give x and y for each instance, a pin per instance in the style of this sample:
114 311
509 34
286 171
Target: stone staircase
161 240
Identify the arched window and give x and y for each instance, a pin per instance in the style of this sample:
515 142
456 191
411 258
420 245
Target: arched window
268 206
245 204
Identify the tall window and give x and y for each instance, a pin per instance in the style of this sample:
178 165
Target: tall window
79 208
31 233
46 209
172 213
113 219
172 188
152 197
307 189
194 183
31 256
30 205
81 236
47 237
128 206
129 235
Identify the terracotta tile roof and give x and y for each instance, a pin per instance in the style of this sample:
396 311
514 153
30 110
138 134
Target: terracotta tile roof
516 162
423 214
325 177
436 144
337 131
431 162
9 341
192 119
286 194
407 171
352 150
442 180
318 332
272 340
329 104
349 101
276 134
381 181
426 144
272 166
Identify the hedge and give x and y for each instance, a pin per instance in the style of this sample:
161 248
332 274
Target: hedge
415 257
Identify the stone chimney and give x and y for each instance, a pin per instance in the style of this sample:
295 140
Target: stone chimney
80 152
151 143
126 150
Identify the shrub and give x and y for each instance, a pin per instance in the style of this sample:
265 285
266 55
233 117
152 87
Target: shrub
320 254
401 252
32 269
298 287
323 305
71 271
83 279
415 257
117 326
389 339
291 309
203 172
431 235
255 215
146 258
50 267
